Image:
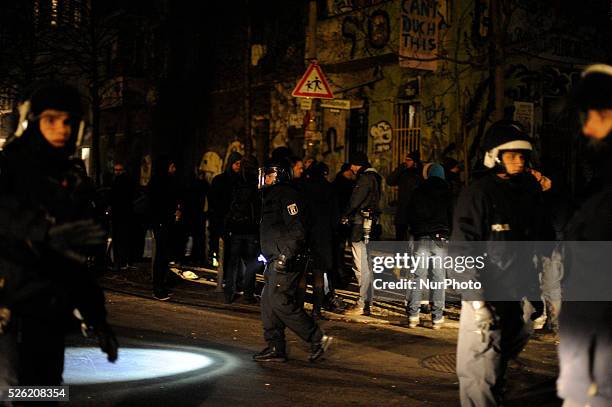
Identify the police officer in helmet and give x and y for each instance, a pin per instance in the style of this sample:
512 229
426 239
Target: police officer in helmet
503 206
282 237
44 237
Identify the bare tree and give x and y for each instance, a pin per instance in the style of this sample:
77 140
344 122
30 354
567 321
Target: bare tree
25 52
82 45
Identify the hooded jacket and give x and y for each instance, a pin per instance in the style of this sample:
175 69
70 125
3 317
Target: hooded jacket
407 180
366 194
430 209
221 189
164 193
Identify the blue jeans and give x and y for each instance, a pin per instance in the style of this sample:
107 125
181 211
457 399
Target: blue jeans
242 249
426 247
363 272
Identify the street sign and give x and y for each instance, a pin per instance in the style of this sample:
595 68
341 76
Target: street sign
343 104
305 103
313 84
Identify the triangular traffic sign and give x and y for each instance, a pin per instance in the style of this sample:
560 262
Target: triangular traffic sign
313 84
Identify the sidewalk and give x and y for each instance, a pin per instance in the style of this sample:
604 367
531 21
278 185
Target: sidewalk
197 286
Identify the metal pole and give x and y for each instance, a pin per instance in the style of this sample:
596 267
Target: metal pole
247 84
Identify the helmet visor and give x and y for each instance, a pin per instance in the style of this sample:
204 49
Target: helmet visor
266 176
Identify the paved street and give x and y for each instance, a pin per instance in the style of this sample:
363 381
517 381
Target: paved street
368 364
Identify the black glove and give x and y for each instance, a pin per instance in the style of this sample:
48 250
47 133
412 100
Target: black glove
280 264
108 342
66 238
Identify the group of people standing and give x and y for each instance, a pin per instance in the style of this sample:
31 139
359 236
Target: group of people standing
287 215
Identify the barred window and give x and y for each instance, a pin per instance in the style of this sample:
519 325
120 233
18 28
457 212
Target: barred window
407 130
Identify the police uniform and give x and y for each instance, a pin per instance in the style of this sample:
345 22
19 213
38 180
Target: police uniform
491 211
282 236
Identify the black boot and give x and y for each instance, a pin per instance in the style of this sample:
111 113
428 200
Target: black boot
317 315
317 349
270 354
366 310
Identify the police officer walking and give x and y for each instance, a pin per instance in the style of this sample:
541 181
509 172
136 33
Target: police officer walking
504 205
44 236
282 236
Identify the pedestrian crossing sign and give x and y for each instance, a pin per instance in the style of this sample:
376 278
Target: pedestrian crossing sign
313 84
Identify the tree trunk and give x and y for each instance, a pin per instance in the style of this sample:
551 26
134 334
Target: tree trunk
95 134
247 87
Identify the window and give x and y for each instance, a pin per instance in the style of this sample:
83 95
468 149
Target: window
54 12
36 12
76 13
407 130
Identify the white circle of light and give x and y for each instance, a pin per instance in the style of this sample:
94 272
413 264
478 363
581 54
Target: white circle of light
89 365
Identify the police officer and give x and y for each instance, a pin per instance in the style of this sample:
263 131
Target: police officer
44 234
282 236
585 346
504 205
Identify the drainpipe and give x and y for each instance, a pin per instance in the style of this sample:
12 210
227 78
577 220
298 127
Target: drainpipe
247 84
310 55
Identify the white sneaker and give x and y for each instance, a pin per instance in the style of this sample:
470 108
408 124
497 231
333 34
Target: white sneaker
413 322
438 323
189 275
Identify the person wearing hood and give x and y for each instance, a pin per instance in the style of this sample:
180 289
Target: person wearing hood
219 201
242 227
406 177
364 200
429 216
452 173
166 211
44 237
585 346
122 193
320 231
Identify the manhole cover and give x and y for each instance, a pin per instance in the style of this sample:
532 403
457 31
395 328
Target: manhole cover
440 363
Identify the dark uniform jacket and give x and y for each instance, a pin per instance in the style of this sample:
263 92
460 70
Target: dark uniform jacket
281 230
34 194
491 213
